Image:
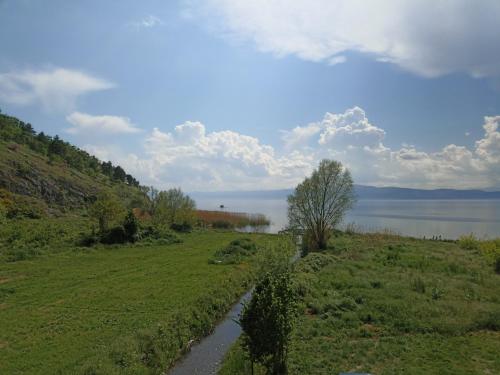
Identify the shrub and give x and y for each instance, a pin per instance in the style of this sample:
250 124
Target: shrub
235 252
183 227
314 262
490 249
267 321
468 242
131 226
115 235
88 240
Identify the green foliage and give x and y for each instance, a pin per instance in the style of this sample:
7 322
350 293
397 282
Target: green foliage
15 206
429 311
234 253
115 235
106 209
319 203
131 227
490 249
468 242
183 227
15 130
173 207
267 321
23 239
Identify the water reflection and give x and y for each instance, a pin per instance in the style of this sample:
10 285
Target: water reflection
418 218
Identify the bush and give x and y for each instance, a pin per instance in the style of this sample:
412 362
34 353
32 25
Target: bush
468 242
267 321
131 226
235 252
314 262
116 235
88 240
183 227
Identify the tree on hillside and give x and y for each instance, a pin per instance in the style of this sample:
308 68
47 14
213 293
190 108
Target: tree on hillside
57 147
105 209
267 321
319 203
119 174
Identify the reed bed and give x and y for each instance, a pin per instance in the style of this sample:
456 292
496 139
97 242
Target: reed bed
225 219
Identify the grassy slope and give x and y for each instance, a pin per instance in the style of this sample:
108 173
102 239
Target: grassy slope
62 310
368 311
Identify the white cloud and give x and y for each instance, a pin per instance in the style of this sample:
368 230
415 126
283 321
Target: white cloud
54 89
84 123
219 160
147 22
337 60
196 159
428 37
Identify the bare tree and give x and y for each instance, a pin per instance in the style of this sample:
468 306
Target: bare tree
319 203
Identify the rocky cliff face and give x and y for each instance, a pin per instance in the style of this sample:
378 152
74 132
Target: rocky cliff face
27 173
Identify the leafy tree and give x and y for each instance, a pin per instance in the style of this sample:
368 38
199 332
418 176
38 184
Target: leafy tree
119 174
107 168
267 321
57 146
173 207
319 203
106 209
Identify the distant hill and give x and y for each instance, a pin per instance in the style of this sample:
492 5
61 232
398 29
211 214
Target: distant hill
362 192
45 173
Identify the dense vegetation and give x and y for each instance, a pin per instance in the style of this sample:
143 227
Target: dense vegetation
17 132
44 176
386 304
129 308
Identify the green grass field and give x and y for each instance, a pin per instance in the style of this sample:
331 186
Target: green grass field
116 309
393 305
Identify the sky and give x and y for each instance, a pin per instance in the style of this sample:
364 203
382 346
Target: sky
221 95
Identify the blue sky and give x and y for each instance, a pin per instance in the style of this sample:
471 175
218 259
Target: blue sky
217 95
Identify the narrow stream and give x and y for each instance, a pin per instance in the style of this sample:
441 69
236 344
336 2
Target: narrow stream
206 356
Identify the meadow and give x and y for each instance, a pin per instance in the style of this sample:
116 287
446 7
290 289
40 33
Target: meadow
111 309
385 304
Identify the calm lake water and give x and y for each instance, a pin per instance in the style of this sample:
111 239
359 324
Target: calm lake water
418 218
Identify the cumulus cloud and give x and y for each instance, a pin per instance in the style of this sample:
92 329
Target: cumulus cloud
351 138
428 37
217 160
84 123
54 89
196 159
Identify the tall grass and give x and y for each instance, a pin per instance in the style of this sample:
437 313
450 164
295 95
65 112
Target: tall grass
223 219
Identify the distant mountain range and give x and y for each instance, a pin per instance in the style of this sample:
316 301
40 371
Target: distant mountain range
362 192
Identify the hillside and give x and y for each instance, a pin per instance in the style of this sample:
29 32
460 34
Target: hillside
50 175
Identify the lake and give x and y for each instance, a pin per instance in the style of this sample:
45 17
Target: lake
417 218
